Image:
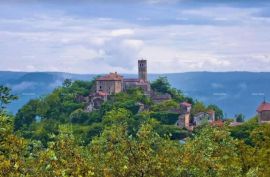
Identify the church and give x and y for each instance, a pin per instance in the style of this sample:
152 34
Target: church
114 83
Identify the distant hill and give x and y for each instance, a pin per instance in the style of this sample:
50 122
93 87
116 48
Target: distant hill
234 92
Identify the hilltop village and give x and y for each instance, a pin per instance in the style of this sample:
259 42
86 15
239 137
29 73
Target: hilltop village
113 83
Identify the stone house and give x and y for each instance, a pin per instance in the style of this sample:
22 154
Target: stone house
185 107
184 117
111 83
202 118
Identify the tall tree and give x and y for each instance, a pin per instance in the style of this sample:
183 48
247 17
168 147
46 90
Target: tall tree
161 85
5 97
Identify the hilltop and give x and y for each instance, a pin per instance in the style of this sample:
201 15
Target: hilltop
234 92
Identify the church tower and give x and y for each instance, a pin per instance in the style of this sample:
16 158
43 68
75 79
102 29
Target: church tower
142 68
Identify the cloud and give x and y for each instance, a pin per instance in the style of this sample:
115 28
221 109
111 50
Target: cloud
122 32
111 37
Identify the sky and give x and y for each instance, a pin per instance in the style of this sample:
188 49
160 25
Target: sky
101 36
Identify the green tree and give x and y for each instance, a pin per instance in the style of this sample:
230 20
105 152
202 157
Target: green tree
165 106
13 149
243 132
63 157
6 97
117 116
218 112
198 107
67 83
116 153
261 139
161 85
239 118
213 152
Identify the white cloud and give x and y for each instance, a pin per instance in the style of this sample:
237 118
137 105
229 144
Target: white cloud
122 32
62 42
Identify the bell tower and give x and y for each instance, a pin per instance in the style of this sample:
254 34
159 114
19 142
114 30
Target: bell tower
142 68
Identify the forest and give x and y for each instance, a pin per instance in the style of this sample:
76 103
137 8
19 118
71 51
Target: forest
54 136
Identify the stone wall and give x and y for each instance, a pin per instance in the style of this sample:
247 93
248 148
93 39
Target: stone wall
264 116
109 87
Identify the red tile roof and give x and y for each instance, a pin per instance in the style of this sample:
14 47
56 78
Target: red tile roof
264 107
218 123
111 77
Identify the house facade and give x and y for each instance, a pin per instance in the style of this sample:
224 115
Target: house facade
110 84
264 112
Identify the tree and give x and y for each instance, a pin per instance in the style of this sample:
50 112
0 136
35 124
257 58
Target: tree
218 111
161 85
212 152
198 107
239 118
5 97
13 149
63 157
117 154
117 116
165 106
261 156
243 132
26 115
67 83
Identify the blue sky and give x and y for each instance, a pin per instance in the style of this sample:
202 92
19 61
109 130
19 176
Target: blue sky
99 36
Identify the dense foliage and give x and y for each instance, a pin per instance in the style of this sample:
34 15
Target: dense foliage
54 136
115 152
41 117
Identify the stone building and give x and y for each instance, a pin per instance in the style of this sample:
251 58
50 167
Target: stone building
142 69
115 83
264 112
188 121
184 117
95 100
110 84
141 81
202 118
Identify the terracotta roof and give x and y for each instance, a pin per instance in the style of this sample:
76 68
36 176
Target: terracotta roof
218 123
186 104
264 107
111 77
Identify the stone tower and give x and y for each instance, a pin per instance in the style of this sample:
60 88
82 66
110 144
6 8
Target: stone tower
142 68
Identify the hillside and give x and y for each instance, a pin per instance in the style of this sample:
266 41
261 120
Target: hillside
234 92
129 134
